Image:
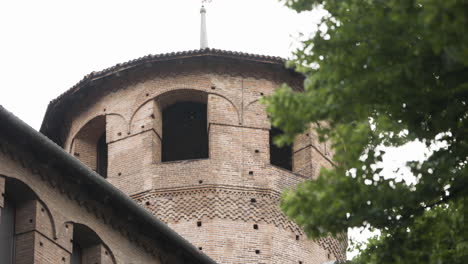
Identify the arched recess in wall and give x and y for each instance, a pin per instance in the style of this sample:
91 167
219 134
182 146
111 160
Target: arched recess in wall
23 212
195 105
88 247
90 145
148 114
116 125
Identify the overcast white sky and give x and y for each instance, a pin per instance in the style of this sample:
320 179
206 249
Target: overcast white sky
47 46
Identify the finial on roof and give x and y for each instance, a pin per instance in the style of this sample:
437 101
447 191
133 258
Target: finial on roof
203 33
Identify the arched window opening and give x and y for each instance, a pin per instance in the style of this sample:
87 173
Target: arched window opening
101 157
88 247
90 147
7 231
19 200
184 131
280 156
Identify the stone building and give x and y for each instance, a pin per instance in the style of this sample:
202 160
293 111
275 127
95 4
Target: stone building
163 159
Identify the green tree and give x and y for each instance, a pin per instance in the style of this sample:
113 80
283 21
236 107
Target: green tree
384 73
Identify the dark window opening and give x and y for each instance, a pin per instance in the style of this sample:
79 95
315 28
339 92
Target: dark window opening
7 231
185 134
76 254
101 161
18 199
86 245
280 156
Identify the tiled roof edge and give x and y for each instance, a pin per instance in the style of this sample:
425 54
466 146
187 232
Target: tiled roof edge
95 75
169 56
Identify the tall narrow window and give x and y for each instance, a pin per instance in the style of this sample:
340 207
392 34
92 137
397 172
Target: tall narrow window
185 134
280 156
7 232
101 157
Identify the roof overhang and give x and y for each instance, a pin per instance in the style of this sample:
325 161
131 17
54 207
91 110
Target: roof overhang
53 118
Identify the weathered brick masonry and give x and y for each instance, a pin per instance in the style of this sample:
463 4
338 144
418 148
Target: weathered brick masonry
54 209
227 205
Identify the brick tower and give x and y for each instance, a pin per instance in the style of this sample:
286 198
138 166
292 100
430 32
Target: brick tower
185 136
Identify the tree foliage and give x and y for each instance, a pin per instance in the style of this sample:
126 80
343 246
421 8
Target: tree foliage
384 73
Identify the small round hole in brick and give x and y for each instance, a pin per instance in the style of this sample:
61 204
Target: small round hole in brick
200 248
261 94
250 172
253 200
200 181
257 251
105 109
42 210
119 134
63 259
213 87
142 126
255 226
148 203
105 252
30 220
199 223
297 237
119 174
41 244
147 94
257 151
300 262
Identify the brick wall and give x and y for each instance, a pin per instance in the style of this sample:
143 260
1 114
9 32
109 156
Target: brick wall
45 216
238 129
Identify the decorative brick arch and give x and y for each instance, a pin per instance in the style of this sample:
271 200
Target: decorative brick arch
92 237
85 142
255 115
172 96
123 123
28 191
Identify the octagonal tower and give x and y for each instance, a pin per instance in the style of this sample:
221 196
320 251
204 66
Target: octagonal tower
185 136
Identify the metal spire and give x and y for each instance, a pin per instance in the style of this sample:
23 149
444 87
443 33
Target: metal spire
203 34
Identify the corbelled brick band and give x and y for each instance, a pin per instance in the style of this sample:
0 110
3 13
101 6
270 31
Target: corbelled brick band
209 204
